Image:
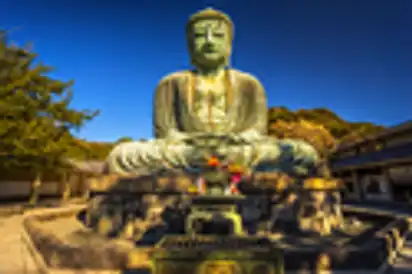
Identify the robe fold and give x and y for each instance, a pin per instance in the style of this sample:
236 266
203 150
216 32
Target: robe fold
247 105
246 112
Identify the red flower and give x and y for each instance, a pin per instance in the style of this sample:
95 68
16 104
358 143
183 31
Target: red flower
213 162
236 178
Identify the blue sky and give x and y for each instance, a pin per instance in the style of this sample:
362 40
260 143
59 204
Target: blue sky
351 56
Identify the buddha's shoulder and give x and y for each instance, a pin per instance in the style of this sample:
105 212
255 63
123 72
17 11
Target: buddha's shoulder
237 74
174 76
245 77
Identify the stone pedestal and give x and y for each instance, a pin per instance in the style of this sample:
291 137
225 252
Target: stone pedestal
208 210
318 212
319 207
314 206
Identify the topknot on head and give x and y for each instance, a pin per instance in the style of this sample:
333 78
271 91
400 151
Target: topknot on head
209 13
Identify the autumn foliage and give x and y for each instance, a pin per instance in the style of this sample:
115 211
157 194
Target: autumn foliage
315 134
319 127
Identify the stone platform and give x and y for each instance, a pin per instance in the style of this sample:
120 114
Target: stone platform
15 256
120 252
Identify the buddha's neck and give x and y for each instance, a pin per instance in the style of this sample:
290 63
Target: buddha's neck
210 72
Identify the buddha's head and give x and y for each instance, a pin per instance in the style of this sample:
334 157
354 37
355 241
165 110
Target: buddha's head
209 34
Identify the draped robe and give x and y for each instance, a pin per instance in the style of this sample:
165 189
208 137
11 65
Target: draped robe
246 115
246 110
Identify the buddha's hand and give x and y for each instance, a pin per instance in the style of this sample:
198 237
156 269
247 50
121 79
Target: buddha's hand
245 137
176 137
205 139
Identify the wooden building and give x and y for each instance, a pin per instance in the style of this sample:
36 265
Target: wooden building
83 174
378 167
22 185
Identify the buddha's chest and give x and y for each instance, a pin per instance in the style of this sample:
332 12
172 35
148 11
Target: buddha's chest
211 95
209 100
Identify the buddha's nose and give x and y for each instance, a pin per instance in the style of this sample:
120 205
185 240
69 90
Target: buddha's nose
208 37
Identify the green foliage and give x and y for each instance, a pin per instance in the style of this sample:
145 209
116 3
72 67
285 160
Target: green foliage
124 140
86 150
37 119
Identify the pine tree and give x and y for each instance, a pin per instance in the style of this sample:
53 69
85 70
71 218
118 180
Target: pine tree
36 119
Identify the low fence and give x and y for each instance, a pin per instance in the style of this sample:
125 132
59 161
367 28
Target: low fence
20 191
78 185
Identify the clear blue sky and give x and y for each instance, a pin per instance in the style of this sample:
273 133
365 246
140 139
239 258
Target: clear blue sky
351 56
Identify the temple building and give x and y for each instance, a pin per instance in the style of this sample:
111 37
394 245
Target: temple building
378 167
17 185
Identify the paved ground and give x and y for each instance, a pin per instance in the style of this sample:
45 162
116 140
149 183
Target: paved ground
15 258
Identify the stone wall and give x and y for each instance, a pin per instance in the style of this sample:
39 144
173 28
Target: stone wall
141 183
58 253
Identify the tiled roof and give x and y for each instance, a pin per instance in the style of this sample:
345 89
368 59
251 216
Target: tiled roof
399 153
92 166
392 131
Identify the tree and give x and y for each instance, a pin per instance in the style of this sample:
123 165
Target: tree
314 134
87 150
124 140
282 119
36 121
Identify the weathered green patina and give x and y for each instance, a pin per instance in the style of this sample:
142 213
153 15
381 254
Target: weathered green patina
211 102
214 254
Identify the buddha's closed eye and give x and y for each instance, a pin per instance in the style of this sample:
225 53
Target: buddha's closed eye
198 34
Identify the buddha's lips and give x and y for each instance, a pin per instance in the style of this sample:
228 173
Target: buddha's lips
210 49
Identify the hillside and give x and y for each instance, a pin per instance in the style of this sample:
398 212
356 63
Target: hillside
320 127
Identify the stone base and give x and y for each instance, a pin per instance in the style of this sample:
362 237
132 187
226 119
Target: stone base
369 252
58 249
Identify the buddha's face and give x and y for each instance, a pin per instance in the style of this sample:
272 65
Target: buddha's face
210 42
